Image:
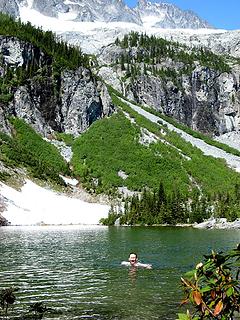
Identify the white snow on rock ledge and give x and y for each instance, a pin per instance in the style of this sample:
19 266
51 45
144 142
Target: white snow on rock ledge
35 205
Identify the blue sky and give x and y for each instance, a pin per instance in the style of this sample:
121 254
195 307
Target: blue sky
223 14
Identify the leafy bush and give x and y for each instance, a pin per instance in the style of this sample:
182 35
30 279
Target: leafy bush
7 297
213 288
65 137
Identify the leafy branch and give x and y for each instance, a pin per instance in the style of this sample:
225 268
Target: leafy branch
213 287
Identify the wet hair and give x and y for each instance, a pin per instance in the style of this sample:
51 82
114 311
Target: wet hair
134 254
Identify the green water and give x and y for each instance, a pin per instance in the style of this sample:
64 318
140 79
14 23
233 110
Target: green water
76 270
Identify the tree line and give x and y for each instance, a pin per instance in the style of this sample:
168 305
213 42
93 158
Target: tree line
160 207
58 55
151 51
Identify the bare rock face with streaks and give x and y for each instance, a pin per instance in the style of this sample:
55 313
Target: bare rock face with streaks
69 102
204 99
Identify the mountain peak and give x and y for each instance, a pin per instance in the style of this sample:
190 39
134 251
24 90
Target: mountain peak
156 14
142 3
167 15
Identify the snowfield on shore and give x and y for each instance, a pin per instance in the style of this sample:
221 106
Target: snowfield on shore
34 205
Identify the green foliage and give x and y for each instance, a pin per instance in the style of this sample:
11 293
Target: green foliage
65 55
28 149
194 186
193 133
213 288
211 174
111 219
151 51
111 145
7 297
65 137
6 97
4 176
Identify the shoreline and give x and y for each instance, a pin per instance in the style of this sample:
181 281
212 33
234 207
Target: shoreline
207 225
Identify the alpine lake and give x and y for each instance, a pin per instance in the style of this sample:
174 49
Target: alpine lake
76 270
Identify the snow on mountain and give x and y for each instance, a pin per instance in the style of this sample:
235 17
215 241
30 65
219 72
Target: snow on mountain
82 10
163 15
166 15
92 36
93 24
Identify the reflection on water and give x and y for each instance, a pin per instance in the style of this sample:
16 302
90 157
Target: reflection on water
76 270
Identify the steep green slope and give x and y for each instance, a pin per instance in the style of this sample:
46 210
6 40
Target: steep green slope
113 144
27 149
110 155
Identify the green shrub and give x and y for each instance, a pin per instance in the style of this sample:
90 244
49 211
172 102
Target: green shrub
213 288
28 149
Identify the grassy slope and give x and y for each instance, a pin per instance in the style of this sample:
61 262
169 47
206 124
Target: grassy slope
28 149
113 144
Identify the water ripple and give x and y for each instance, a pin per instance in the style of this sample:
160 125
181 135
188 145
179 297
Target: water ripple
76 272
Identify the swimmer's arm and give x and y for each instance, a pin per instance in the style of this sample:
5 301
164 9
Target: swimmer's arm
145 265
125 263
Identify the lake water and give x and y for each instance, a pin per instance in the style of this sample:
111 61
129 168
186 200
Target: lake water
76 270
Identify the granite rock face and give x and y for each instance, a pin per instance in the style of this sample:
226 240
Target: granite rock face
167 15
204 99
10 7
69 102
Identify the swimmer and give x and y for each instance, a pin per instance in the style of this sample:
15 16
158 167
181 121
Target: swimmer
133 262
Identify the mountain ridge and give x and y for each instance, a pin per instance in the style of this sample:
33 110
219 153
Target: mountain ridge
166 15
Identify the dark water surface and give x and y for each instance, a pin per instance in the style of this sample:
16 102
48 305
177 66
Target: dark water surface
76 270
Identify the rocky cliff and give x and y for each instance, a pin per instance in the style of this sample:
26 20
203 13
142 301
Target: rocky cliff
50 100
205 98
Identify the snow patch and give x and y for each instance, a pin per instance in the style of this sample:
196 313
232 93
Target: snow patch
122 174
232 139
71 182
147 137
36 205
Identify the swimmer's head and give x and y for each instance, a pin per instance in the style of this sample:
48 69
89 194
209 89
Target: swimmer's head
133 258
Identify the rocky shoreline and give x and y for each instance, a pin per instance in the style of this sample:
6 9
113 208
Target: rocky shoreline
218 223
3 221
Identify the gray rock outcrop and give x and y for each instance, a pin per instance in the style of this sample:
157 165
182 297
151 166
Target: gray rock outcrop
69 102
204 99
9 7
220 223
